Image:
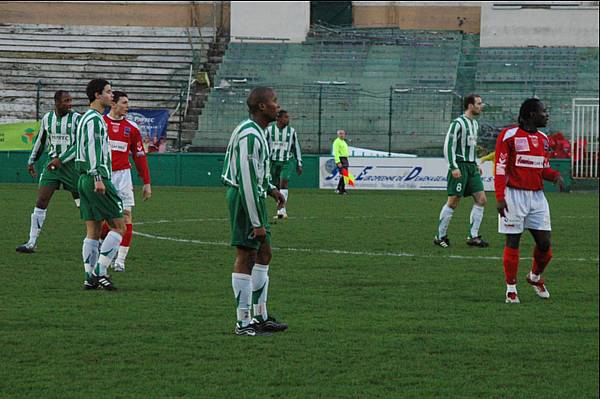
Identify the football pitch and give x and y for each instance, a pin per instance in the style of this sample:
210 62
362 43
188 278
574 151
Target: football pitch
375 309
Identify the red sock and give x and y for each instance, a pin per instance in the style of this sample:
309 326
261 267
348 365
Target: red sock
127 237
540 260
511 265
105 230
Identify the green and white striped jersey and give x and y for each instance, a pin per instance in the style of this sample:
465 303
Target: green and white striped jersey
56 136
284 143
461 141
93 149
246 167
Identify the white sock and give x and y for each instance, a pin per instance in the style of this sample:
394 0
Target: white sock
445 217
122 255
511 288
284 192
476 218
260 288
534 277
108 249
242 291
37 221
90 252
77 202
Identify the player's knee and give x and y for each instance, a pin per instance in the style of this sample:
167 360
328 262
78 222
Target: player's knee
544 246
512 240
453 202
264 256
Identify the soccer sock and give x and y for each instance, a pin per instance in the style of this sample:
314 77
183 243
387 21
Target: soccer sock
540 260
124 248
476 218
242 291
445 217
105 230
260 287
107 252
511 265
37 221
77 202
284 192
90 252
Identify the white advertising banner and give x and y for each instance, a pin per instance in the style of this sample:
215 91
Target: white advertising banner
372 173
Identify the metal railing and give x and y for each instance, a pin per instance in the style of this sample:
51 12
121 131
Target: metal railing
584 138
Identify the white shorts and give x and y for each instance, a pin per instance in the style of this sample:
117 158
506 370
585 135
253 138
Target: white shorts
526 210
121 179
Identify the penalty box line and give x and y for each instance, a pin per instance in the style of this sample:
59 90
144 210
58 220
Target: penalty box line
343 252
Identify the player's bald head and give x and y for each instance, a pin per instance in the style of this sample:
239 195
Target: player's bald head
259 95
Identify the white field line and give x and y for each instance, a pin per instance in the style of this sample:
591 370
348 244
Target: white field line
342 252
163 221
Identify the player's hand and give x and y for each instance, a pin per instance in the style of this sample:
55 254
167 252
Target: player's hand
299 170
54 164
259 233
480 170
146 192
31 170
560 182
99 187
456 173
502 207
278 197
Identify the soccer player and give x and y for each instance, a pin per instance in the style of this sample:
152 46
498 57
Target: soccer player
99 198
284 145
246 172
521 165
125 138
57 136
340 154
464 175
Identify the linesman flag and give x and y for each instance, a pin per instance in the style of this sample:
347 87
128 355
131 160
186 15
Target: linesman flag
348 178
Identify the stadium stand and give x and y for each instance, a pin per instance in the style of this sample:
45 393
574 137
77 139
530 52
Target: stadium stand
151 64
361 75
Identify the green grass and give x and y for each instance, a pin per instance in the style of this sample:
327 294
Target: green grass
392 316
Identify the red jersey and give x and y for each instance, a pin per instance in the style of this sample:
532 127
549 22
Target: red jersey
125 138
522 161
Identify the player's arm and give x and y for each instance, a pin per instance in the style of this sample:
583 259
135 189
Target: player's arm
248 156
501 159
551 174
450 148
39 145
297 152
94 153
140 159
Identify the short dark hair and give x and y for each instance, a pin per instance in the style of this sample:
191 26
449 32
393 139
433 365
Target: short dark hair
281 113
470 99
118 94
258 95
59 94
528 107
95 86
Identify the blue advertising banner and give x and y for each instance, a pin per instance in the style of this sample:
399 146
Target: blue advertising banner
153 125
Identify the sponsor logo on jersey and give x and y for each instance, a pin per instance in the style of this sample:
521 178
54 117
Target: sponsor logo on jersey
115 127
127 131
521 144
530 161
116 145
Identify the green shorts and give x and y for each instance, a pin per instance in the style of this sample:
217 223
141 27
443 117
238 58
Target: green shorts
96 206
241 228
282 170
469 182
66 176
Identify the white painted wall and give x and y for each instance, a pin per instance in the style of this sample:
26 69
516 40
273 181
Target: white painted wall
288 20
539 27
